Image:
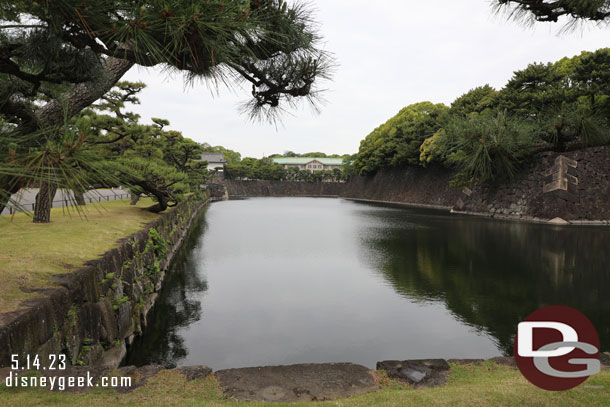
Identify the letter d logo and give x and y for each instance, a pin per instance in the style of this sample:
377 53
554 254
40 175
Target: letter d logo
525 331
556 348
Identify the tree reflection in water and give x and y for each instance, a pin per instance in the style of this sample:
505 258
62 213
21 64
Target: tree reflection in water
491 274
488 274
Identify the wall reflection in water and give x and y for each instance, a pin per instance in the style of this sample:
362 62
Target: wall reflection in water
175 309
491 274
295 280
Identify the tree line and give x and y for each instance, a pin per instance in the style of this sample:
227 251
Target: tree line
266 169
486 133
108 146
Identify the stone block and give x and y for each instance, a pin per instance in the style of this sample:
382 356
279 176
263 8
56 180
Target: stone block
195 372
297 383
563 160
567 196
561 175
560 184
556 172
419 373
559 221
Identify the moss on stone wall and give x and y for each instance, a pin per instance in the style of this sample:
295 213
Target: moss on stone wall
96 307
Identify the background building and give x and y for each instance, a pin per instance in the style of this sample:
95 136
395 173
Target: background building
215 160
312 164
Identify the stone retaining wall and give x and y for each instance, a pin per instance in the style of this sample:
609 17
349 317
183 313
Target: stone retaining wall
283 188
573 186
95 310
413 185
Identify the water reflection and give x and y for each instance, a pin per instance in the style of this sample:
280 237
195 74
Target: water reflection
162 342
491 274
297 280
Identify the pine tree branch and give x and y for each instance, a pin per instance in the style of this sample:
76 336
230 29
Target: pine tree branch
9 67
2 27
20 110
82 95
551 11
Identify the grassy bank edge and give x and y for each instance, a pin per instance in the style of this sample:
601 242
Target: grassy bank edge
488 384
32 253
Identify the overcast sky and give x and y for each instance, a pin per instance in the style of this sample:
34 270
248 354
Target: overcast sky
391 53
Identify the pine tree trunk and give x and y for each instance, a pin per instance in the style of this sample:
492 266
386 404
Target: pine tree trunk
79 196
44 203
134 199
160 206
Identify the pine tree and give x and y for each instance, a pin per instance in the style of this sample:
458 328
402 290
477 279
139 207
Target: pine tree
71 52
57 57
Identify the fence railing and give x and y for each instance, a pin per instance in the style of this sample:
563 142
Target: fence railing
68 202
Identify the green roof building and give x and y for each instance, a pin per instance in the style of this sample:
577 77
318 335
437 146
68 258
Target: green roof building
312 164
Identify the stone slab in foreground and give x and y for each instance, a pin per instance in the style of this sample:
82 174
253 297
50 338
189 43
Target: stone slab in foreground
304 382
419 373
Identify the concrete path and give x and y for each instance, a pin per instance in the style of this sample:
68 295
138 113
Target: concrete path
27 197
297 383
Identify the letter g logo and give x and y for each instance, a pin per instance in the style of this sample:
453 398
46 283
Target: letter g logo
557 348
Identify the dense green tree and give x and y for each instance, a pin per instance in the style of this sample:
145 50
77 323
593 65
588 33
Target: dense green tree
561 99
476 100
534 90
266 169
163 163
486 133
292 154
179 151
183 154
314 154
397 142
337 174
592 75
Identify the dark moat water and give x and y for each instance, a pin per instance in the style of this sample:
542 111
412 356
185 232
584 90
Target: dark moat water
271 281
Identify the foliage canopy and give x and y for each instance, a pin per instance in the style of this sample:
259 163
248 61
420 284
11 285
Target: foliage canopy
486 133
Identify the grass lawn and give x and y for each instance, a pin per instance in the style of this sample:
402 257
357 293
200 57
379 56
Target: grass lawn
30 253
486 385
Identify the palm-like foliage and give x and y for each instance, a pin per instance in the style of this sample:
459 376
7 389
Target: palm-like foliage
572 126
485 147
